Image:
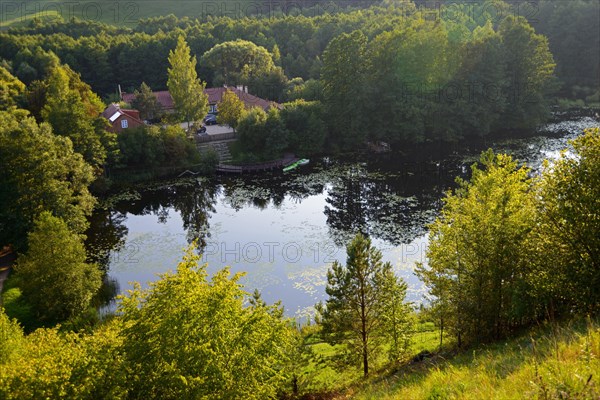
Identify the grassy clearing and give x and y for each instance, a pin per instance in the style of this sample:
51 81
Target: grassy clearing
321 376
547 363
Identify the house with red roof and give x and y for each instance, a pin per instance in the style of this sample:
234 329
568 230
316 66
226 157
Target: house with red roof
214 97
122 118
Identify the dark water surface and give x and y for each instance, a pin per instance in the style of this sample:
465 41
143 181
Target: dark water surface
285 230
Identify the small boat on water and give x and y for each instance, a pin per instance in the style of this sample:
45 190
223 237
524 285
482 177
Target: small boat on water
296 164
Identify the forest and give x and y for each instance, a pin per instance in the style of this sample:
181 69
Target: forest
509 250
412 74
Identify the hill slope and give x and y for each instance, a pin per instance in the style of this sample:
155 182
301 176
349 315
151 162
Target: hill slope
546 363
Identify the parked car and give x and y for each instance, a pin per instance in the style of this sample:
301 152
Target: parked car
210 119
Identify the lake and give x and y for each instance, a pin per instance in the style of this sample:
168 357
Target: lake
285 230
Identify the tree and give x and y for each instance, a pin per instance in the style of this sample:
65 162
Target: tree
187 90
231 109
49 363
74 110
11 89
190 337
304 122
343 76
40 172
530 68
477 259
53 273
236 62
566 242
357 312
146 102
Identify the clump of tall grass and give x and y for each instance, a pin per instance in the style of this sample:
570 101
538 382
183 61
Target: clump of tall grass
551 362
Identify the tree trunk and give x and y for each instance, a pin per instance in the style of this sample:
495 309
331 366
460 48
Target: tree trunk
364 340
365 358
441 332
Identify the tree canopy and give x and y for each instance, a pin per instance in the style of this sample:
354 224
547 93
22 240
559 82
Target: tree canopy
41 172
191 103
236 62
53 273
231 109
212 344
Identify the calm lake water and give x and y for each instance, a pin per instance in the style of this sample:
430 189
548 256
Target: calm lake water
285 230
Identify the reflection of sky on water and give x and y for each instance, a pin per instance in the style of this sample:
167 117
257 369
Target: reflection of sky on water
284 250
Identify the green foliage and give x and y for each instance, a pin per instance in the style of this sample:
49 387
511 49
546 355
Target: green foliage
210 344
477 260
231 109
236 62
311 90
154 146
17 307
409 80
530 67
74 110
572 32
365 304
11 336
53 273
191 103
304 122
50 364
343 75
11 89
263 135
146 103
40 172
565 246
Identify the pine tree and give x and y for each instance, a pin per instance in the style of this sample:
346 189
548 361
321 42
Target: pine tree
365 302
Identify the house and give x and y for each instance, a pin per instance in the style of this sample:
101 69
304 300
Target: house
121 118
214 97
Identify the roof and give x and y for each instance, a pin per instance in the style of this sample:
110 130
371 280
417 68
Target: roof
110 110
164 98
114 111
214 96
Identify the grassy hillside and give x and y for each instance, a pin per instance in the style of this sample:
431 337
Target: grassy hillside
545 363
127 13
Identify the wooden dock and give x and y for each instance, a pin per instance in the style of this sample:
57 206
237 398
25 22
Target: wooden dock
258 167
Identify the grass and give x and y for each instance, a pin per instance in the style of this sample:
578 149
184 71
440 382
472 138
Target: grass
320 376
16 307
547 363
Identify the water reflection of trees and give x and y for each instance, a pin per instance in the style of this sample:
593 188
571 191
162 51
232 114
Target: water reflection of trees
106 233
193 200
391 207
272 189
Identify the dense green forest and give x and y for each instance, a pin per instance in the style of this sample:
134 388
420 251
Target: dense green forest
411 73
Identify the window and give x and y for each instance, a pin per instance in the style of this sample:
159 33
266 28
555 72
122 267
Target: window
124 124
212 108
